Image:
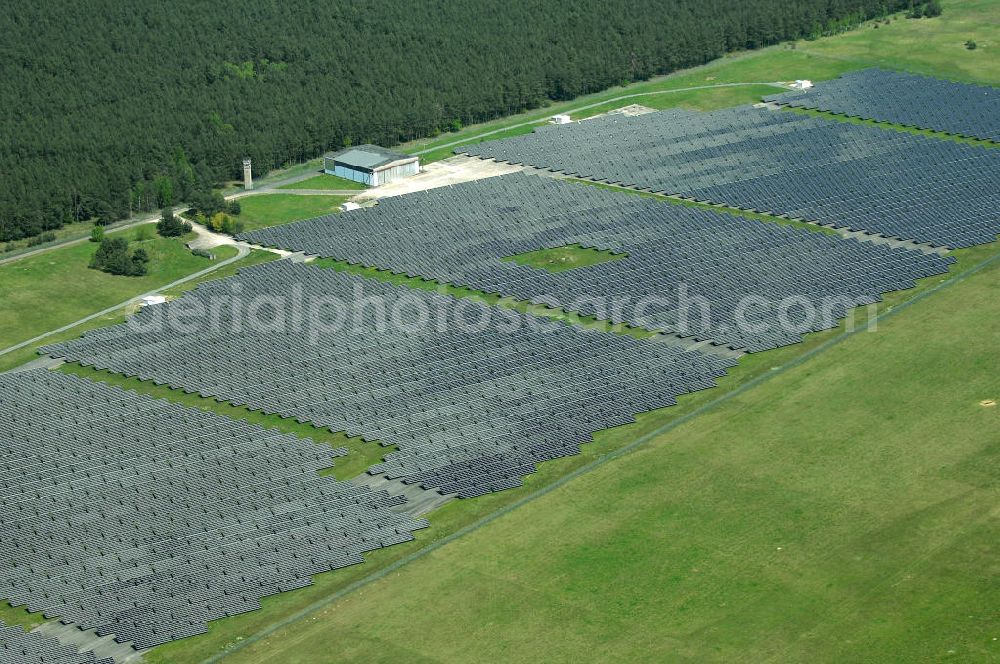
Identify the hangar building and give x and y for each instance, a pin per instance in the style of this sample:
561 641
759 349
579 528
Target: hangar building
370 164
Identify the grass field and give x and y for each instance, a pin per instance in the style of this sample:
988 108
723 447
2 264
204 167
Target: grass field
839 512
708 99
72 230
18 616
857 522
325 181
934 47
19 357
44 292
565 258
263 210
226 633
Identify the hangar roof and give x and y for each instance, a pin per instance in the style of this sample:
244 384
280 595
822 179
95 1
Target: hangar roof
368 157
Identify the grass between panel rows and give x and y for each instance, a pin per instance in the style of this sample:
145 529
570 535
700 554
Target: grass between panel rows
452 517
489 298
560 259
677 200
940 135
360 454
843 511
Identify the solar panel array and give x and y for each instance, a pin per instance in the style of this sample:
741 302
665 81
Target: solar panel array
144 519
905 99
20 647
675 255
472 407
834 173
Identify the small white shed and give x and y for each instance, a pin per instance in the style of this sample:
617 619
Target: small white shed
560 119
348 206
802 84
152 299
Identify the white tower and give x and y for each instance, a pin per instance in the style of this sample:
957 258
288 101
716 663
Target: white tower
247 175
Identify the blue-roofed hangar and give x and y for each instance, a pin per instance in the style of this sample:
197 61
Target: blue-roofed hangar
370 164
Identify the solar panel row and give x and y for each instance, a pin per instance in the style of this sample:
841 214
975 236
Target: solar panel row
20 647
676 256
144 519
840 174
471 405
140 518
905 99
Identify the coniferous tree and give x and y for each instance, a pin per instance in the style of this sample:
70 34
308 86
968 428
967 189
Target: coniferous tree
113 256
109 112
170 225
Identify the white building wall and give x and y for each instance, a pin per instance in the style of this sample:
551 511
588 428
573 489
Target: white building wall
347 173
396 172
375 178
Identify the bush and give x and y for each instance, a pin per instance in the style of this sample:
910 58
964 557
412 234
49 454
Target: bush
971 45
97 233
204 253
215 222
925 10
234 207
114 257
172 226
221 222
41 239
235 227
142 233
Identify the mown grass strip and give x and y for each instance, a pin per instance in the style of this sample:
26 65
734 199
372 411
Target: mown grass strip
882 124
602 459
421 283
360 454
715 207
